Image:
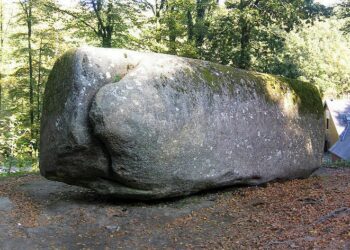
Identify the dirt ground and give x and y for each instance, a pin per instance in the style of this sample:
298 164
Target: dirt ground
299 214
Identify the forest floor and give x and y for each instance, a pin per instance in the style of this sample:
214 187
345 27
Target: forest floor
312 213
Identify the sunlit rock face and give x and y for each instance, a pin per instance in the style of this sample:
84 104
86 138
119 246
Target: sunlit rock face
148 126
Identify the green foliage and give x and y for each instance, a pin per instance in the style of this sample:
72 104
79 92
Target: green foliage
105 23
19 173
320 54
23 77
343 12
15 143
178 27
337 164
249 33
117 78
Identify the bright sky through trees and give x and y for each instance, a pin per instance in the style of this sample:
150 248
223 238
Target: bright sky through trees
328 2
71 2
325 2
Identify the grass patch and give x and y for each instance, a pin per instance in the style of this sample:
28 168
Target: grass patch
337 164
19 173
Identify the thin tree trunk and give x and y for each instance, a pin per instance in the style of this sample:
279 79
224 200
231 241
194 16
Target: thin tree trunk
244 59
0 93
1 49
158 8
105 29
190 31
12 150
107 41
157 14
172 33
38 86
27 8
200 19
30 61
10 166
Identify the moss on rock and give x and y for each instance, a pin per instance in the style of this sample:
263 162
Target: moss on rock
274 88
56 92
305 95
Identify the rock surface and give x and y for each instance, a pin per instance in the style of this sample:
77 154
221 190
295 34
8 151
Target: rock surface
146 126
5 204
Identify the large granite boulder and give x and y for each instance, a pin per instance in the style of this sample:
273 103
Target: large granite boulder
147 126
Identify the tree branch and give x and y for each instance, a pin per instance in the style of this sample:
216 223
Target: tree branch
69 13
99 18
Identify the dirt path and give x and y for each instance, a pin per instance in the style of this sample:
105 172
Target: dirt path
307 214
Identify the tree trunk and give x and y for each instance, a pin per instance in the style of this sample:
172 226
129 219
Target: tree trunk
1 49
0 93
12 152
107 41
244 59
190 31
200 22
38 86
30 61
172 32
158 8
157 14
105 27
27 9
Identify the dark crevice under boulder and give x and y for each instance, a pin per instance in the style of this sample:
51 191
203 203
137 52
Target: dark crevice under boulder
148 126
